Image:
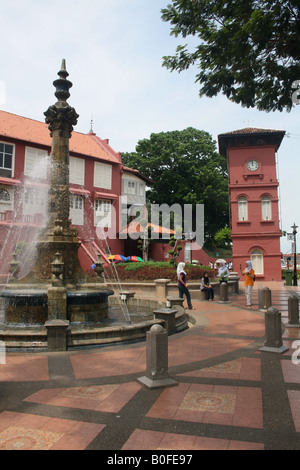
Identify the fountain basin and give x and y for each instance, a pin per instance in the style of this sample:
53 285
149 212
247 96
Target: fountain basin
30 306
113 330
88 307
24 306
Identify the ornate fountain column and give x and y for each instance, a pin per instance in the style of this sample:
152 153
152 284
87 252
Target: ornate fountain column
58 240
57 246
61 118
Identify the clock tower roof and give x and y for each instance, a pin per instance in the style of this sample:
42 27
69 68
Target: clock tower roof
250 137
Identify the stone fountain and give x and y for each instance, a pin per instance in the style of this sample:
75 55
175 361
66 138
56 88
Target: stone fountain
57 305
57 289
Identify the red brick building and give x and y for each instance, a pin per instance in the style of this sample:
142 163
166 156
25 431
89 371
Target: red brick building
253 189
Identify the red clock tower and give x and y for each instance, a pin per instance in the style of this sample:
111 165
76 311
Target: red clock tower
253 191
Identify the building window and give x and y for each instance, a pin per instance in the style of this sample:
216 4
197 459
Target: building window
266 208
242 208
257 259
4 195
76 209
134 190
6 160
102 213
34 202
142 190
77 170
6 200
132 187
102 175
36 162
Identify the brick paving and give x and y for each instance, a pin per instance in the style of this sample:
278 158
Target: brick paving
229 396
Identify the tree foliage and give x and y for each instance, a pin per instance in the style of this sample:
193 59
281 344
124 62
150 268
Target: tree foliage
186 169
223 238
249 50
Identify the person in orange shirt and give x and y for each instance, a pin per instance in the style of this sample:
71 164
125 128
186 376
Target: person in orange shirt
249 281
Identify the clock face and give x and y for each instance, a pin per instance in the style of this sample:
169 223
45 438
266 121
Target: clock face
252 165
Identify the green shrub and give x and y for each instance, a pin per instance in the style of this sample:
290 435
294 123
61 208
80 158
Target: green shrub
151 270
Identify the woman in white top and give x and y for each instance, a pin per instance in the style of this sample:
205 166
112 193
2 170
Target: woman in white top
223 273
182 285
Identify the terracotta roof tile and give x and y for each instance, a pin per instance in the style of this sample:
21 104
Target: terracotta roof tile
138 174
36 132
251 130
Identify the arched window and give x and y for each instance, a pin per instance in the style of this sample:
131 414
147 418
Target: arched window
266 208
257 259
242 208
4 195
6 200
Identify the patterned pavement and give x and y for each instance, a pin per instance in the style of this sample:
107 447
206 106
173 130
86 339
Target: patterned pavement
229 394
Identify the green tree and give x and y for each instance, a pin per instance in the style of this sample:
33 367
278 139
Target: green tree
249 50
223 238
186 169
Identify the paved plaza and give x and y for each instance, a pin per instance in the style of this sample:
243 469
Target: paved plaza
229 396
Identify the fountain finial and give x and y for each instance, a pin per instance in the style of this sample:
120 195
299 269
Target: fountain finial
61 116
62 85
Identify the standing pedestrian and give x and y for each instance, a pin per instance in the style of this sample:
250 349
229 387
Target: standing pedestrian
182 285
249 282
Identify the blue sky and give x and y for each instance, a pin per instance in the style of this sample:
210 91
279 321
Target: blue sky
113 50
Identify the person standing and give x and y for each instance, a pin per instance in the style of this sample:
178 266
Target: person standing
182 285
223 273
206 287
249 282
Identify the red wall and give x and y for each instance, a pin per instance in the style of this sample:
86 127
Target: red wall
255 233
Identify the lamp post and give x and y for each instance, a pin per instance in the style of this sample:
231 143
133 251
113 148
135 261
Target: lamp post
295 282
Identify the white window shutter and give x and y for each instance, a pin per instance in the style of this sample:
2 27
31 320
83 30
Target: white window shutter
102 175
36 162
76 174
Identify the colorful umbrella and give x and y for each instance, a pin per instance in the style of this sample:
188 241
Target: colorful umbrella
117 258
135 259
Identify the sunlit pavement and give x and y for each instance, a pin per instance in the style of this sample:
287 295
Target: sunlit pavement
229 394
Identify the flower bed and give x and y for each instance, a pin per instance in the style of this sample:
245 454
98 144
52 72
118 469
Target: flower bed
149 271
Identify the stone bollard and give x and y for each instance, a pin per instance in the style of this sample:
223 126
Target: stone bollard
223 292
157 374
57 335
169 317
174 302
273 332
293 311
266 298
161 286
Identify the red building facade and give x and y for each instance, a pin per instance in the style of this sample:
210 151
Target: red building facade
95 188
254 204
102 191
